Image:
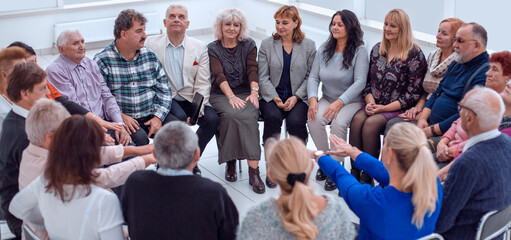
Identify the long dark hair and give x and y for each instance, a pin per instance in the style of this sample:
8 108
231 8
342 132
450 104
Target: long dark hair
355 38
74 152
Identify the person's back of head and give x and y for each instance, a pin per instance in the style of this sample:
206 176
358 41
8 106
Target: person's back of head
9 57
31 55
409 143
176 146
74 152
44 117
289 164
485 106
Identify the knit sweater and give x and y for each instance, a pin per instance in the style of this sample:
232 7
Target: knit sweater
345 84
177 207
477 182
444 101
264 222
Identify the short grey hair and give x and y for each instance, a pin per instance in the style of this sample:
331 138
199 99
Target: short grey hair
63 36
45 116
478 32
228 15
481 100
176 6
175 145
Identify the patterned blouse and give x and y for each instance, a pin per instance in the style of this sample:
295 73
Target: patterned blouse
398 80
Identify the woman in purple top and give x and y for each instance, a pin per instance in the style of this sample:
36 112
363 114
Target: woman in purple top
396 69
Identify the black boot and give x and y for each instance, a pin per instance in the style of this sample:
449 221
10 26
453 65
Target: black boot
320 175
196 171
230 171
329 185
270 183
254 179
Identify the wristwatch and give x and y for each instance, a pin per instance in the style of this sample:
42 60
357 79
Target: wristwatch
255 89
318 154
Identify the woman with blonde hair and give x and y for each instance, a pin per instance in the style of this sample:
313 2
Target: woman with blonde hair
396 70
409 205
285 60
298 213
234 95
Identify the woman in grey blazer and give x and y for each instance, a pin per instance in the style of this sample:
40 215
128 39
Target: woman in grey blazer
285 60
341 66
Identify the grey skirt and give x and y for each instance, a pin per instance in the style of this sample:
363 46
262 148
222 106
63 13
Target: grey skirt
237 136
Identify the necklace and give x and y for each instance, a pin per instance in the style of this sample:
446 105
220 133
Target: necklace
6 98
231 50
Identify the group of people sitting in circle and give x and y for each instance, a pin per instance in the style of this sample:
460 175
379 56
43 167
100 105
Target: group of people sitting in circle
82 127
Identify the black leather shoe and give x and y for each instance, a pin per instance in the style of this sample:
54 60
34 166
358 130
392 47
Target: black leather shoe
329 185
196 171
255 180
230 171
270 183
365 178
320 175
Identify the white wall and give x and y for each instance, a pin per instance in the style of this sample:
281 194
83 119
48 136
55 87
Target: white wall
36 28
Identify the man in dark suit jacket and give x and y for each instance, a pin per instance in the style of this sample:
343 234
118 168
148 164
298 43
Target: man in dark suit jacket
172 202
28 87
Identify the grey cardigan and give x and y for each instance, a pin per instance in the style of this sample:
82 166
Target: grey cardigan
270 65
263 221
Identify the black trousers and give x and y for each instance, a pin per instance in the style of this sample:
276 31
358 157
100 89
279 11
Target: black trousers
208 123
296 119
140 136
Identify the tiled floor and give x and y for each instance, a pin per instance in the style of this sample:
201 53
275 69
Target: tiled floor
240 191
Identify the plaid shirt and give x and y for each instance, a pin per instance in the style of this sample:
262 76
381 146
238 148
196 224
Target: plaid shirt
140 86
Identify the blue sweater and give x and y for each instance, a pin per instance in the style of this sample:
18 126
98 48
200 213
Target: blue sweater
385 213
477 182
444 101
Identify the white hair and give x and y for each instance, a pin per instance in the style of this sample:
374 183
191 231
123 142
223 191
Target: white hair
176 6
481 100
45 116
228 15
175 145
63 36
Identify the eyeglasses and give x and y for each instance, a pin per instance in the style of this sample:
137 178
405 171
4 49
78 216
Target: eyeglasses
461 41
460 106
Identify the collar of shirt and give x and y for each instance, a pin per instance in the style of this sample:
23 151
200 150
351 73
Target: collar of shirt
19 110
173 172
182 44
114 48
481 137
70 65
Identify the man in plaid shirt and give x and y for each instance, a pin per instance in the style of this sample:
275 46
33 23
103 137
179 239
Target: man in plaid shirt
135 77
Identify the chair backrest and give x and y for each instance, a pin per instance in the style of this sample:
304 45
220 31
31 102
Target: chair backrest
494 223
433 236
28 233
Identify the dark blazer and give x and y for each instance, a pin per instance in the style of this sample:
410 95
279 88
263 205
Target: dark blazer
270 65
13 140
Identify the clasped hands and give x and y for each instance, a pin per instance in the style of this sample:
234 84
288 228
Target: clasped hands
238 104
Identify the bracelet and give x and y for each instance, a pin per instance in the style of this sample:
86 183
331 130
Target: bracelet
432 127
255 89
229 98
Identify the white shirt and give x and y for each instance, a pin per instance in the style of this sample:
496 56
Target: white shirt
481 137
5 107
19 110
95 216
174 57
173 172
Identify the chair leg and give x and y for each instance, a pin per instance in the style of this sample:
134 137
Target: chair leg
239 161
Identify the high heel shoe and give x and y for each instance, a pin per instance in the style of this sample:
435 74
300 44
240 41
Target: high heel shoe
255 180
230 171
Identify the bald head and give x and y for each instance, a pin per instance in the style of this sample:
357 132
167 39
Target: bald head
486 106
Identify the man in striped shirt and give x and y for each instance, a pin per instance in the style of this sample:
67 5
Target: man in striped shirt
135 77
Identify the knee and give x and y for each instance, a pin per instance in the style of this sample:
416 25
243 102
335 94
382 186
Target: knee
210 117
295 122
140 137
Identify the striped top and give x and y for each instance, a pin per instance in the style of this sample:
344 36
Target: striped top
139 86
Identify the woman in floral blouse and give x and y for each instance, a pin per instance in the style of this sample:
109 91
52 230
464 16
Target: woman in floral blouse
396 69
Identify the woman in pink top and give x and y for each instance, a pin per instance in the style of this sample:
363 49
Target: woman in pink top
452 142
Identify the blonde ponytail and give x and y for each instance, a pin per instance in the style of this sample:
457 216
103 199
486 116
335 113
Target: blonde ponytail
415 158
296 206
